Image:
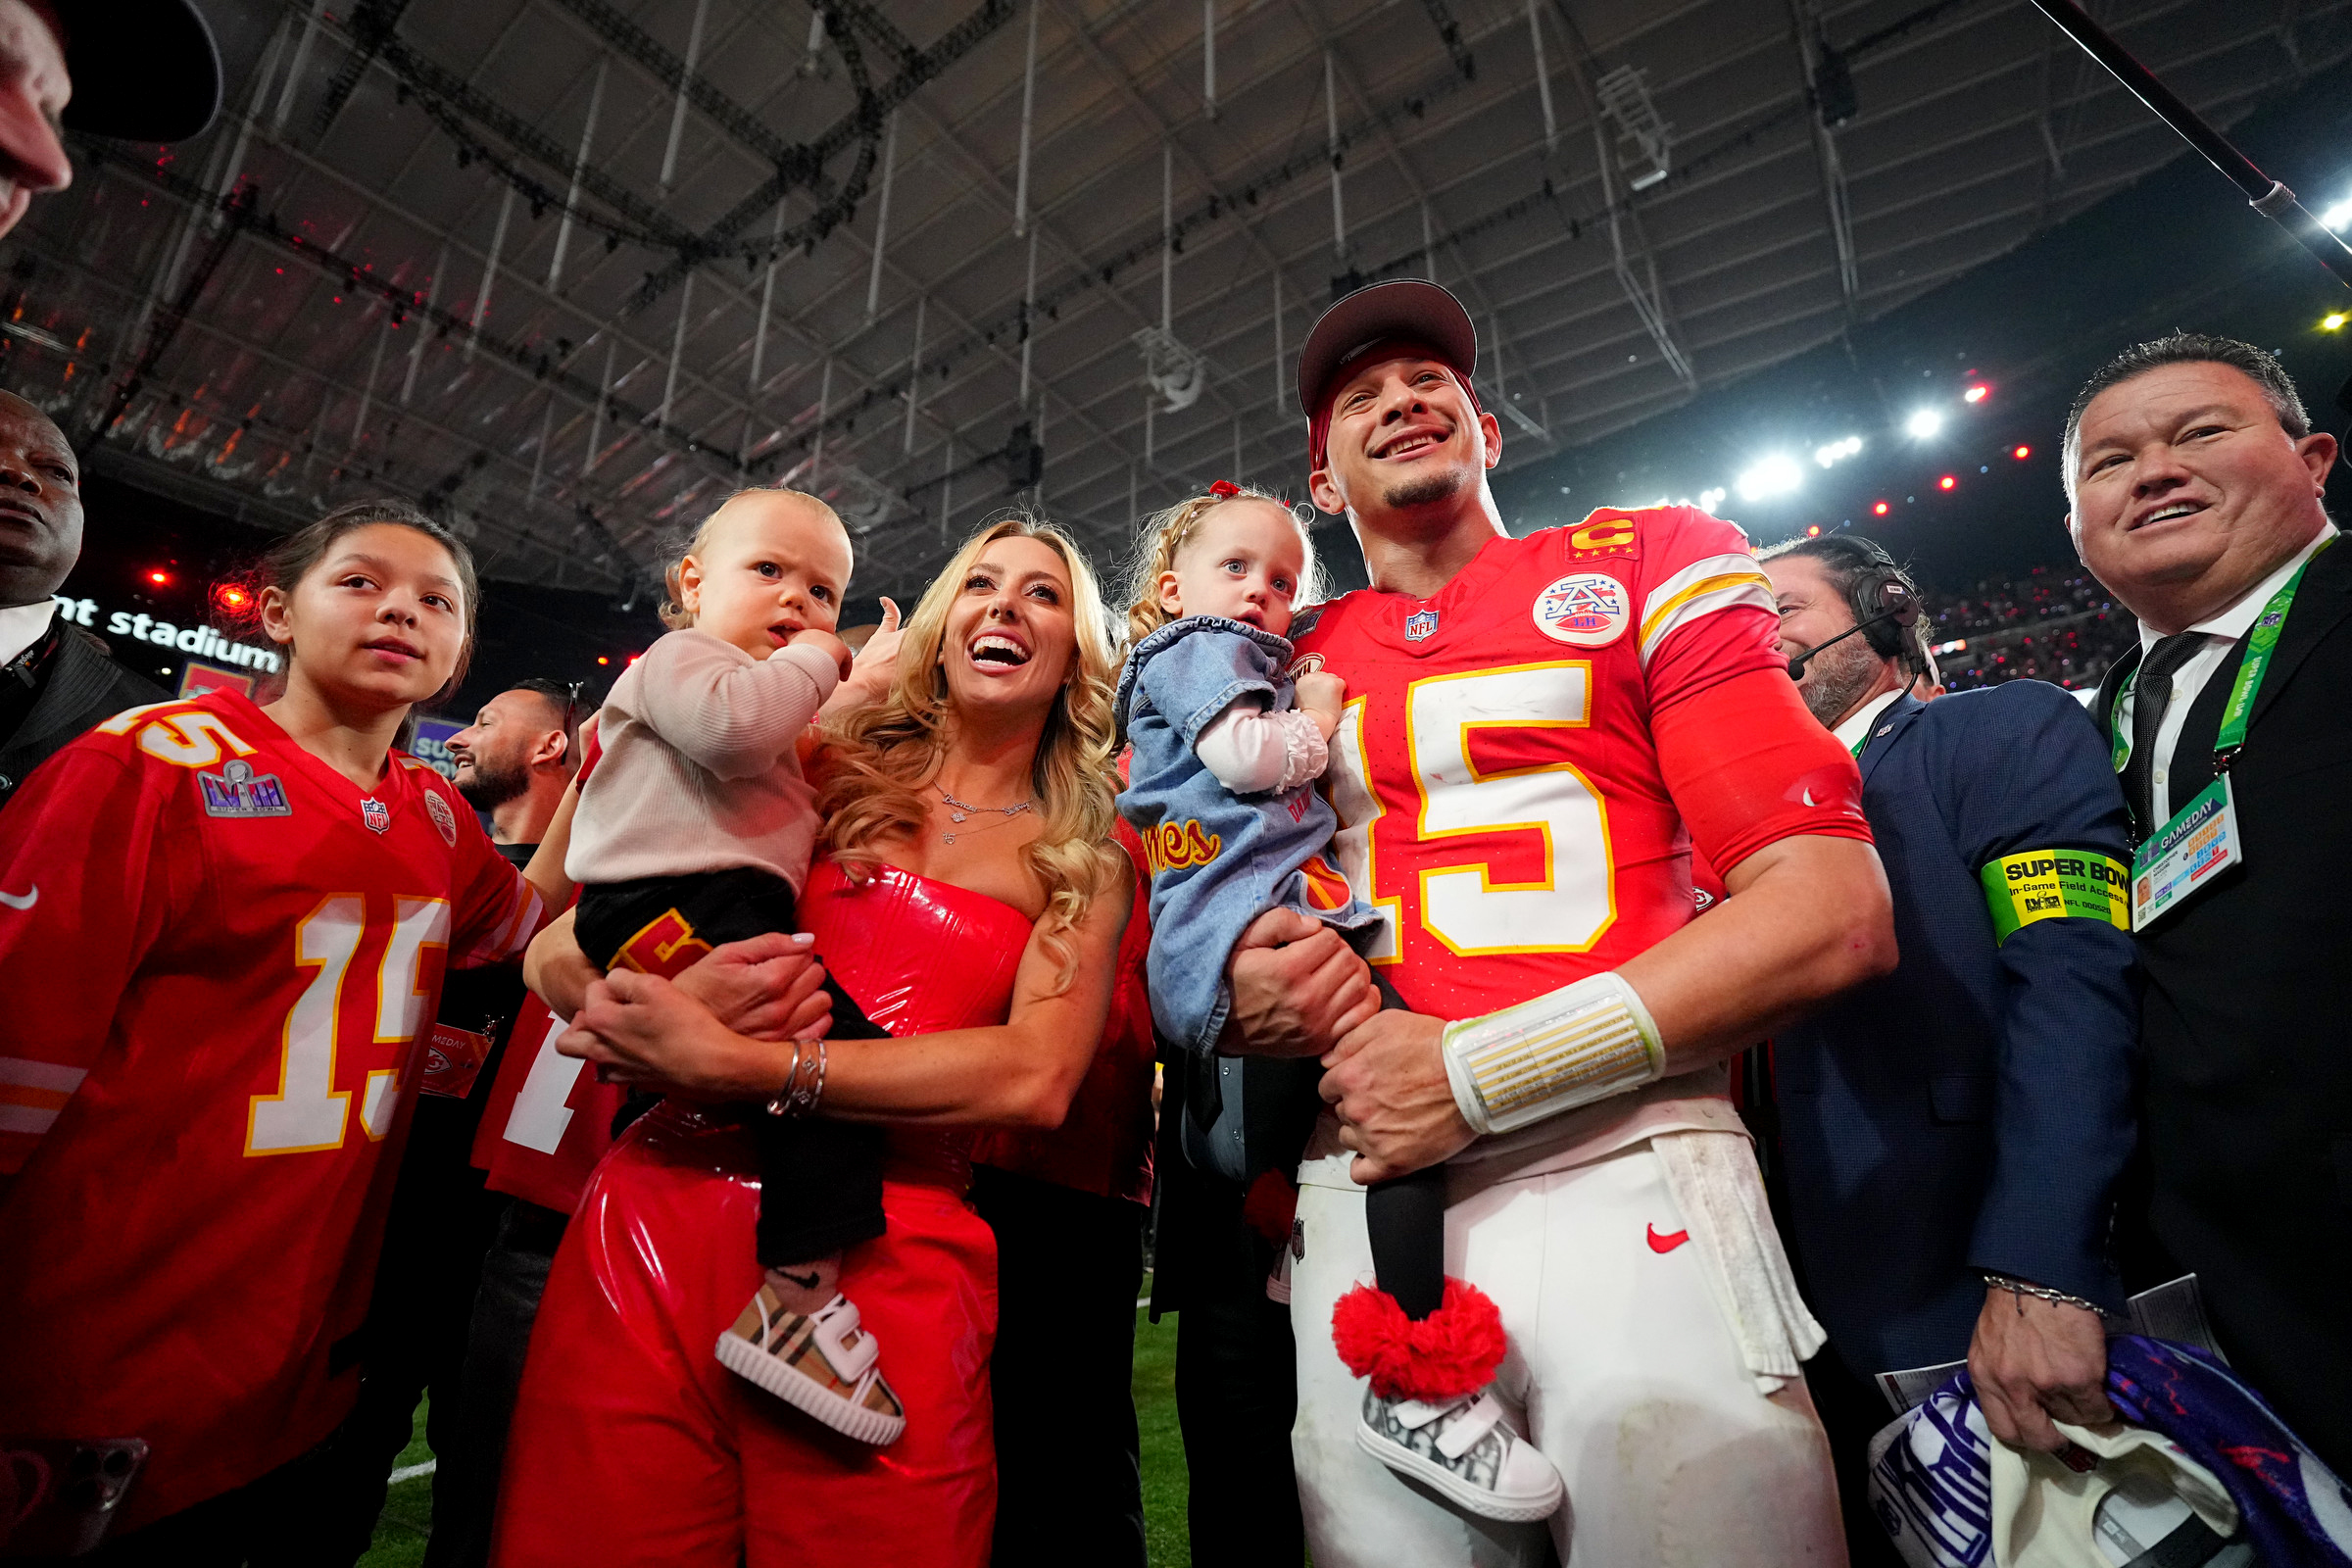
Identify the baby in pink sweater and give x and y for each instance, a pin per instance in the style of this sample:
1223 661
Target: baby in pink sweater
695 830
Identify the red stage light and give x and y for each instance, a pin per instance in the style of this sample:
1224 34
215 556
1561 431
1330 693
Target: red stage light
1975 394
232 597
2020 454
1946 482
1814 532
602 659
1879 509
158 579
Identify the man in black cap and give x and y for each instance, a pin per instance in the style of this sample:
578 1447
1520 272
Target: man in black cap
140 69
1540 729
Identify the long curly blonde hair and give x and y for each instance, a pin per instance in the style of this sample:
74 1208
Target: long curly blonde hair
1168 532
882 759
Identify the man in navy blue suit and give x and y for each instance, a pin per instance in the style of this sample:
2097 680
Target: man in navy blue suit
1954 1132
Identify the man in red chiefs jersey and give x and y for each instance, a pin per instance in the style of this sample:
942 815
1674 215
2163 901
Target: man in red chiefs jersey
1538 731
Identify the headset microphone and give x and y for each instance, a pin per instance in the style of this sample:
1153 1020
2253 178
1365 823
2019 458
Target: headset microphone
1905 610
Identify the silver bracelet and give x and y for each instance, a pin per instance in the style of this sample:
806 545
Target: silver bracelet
817 1090
2040 1293
780 1102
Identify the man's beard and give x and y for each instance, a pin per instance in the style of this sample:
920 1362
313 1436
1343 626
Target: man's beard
1424 491
1839 676
487 787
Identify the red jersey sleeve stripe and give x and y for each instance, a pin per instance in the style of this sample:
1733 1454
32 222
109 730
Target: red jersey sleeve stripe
1700 589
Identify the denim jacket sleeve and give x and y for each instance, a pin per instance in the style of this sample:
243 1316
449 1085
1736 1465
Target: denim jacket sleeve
1197 677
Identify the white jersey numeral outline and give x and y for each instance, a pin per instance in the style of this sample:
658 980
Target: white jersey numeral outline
307 1113
1575 901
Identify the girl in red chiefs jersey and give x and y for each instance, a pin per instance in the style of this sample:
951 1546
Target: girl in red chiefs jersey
1227 746
225 926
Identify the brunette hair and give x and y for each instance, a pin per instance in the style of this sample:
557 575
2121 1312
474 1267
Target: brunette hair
1165 533
672 609
286 563
883 757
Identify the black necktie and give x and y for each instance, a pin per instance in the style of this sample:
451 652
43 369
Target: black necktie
2151 698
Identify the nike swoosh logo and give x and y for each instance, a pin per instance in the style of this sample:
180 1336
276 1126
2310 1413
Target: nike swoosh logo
21 901
1666 1244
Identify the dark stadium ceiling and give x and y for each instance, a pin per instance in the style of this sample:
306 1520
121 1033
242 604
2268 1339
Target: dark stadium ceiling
389 268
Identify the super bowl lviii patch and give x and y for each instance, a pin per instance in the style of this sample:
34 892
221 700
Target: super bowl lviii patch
1584 610
443 817
238 791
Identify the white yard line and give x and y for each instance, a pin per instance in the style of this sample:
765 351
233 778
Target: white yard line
410 1472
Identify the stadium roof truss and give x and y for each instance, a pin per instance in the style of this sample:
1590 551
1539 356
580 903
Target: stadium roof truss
571 270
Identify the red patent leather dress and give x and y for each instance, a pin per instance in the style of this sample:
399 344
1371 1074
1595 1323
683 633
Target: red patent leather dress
631 1444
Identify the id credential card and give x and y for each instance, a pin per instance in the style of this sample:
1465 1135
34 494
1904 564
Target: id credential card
2197 846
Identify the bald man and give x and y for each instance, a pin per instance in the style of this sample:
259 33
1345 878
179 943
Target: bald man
64 66
56 680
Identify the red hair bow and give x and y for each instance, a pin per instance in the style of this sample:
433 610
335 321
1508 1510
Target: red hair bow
1224 489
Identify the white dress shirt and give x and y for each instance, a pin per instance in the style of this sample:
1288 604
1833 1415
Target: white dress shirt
22 625
1857 723
2221 633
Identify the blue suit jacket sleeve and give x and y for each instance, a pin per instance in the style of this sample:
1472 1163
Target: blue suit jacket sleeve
2028 770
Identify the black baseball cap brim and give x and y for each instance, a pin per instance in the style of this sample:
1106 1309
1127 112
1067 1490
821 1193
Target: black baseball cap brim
1409 310
142 69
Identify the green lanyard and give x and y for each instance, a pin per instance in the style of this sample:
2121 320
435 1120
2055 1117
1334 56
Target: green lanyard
2260 645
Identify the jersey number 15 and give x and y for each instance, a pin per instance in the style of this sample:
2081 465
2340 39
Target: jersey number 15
1462 906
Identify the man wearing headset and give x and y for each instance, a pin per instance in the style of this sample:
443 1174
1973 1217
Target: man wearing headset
1953 1131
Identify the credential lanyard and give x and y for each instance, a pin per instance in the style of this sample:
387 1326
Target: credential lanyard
2260 646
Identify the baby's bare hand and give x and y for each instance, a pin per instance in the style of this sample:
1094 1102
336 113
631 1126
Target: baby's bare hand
824 642
1319 689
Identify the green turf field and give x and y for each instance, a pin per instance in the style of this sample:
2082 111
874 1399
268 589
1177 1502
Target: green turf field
407 1516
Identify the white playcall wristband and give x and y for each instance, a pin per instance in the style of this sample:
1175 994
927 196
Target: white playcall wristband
1554 1052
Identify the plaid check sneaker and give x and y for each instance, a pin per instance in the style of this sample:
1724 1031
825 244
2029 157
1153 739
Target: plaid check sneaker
1465 1451
820 1362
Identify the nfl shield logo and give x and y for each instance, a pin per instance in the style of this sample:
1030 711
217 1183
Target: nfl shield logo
376 814
1420 625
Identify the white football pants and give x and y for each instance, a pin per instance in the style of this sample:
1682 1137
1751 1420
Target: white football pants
1628 1378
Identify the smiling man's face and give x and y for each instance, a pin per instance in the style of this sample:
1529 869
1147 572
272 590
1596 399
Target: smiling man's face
2188 491
1404 438
40 504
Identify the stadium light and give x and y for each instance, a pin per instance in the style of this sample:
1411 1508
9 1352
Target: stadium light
2020 454
1709 499
1879 509
1925 426
1975 394
1836 450
1947 482
1774 475
1814 531
158 579
2334 322
2338 216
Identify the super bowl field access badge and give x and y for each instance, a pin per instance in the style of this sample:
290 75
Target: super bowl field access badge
1584 610
2200 841
1420 625
376 814
238 791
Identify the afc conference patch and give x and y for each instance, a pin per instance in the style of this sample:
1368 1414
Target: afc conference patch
238 791
1584 610
1420 625
375 814
443 819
